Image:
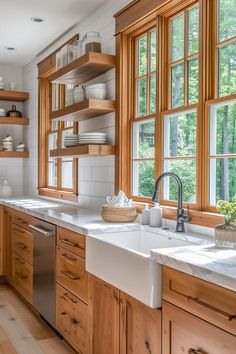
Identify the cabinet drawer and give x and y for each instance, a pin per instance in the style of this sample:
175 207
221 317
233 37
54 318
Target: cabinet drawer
71 273
22 276
71 241
22 219
208 301
22 243
72 319
184 333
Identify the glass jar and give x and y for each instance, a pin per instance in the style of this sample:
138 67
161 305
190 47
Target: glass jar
92 41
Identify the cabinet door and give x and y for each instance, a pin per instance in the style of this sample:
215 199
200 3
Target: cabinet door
104 317
184 333
7 227
140 327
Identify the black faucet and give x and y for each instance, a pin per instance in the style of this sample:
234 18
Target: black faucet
181 217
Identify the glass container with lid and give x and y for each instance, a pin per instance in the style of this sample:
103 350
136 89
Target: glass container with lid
92 41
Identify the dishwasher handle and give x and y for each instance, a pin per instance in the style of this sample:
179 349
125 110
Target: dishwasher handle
43 231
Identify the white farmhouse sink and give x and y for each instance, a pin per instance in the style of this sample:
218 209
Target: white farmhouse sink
123 259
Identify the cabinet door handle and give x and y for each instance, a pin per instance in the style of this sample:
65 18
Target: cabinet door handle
71 299
69 243
219 312
70 275
196 351
70 258
21 245
21 276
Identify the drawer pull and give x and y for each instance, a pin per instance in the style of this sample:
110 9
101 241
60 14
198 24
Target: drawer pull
219 312
70 275
21 276
71 299
194 351
69 243
70 258
21 245
19 230
21 221
63 313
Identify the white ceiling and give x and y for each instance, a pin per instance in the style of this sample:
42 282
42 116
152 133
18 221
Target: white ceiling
30 38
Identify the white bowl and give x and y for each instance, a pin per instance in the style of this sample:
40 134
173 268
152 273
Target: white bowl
97 91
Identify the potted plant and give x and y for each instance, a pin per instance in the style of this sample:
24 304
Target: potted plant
225 234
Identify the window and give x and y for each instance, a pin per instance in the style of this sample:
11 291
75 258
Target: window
57 176
181 112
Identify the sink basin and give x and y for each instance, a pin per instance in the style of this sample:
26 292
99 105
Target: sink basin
124 260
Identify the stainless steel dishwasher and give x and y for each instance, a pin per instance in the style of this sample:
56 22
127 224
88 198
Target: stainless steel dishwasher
44 283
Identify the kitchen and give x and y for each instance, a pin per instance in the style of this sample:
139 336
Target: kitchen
108 108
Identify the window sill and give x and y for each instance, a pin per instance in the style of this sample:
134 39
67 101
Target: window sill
202 218
61 195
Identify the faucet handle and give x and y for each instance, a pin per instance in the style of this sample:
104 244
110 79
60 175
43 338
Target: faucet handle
188 216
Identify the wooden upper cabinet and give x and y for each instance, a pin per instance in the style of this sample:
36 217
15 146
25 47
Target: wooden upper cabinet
140 327
104 316
184 333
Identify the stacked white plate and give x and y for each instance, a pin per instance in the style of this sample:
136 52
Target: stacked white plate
93 138
71 140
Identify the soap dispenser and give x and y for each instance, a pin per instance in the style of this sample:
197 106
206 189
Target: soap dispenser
146 215
156 215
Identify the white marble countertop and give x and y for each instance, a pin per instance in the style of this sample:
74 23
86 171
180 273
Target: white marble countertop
208 262
202 259
76 219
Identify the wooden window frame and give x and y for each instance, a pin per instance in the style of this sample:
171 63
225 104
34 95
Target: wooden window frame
128 26
46 68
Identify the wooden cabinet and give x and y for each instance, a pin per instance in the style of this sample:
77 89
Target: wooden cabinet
140 327
7 225
104 305
184 333
22 276
71 273
210 302
22 219
71 241
22 243
72 319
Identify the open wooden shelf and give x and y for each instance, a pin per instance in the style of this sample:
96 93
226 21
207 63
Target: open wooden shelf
13 96
85 109
84 150
83 69
14 154
16 121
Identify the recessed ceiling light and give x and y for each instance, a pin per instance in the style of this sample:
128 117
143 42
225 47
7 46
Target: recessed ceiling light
10 48
37 19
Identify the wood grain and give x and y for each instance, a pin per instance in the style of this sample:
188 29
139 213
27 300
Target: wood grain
13 96
15 121
83 69
83 110
84 150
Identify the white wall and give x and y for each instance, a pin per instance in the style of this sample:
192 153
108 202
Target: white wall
11 168
96 174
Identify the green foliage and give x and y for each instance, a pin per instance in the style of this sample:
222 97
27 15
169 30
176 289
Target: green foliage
228 209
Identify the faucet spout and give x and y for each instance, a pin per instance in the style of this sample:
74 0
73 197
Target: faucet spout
180 211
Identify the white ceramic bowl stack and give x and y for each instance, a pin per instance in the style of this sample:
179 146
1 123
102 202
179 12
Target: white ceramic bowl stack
20 147
71 140
7 143
93 138
96 91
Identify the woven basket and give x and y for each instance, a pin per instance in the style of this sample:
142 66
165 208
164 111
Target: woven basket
113 214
